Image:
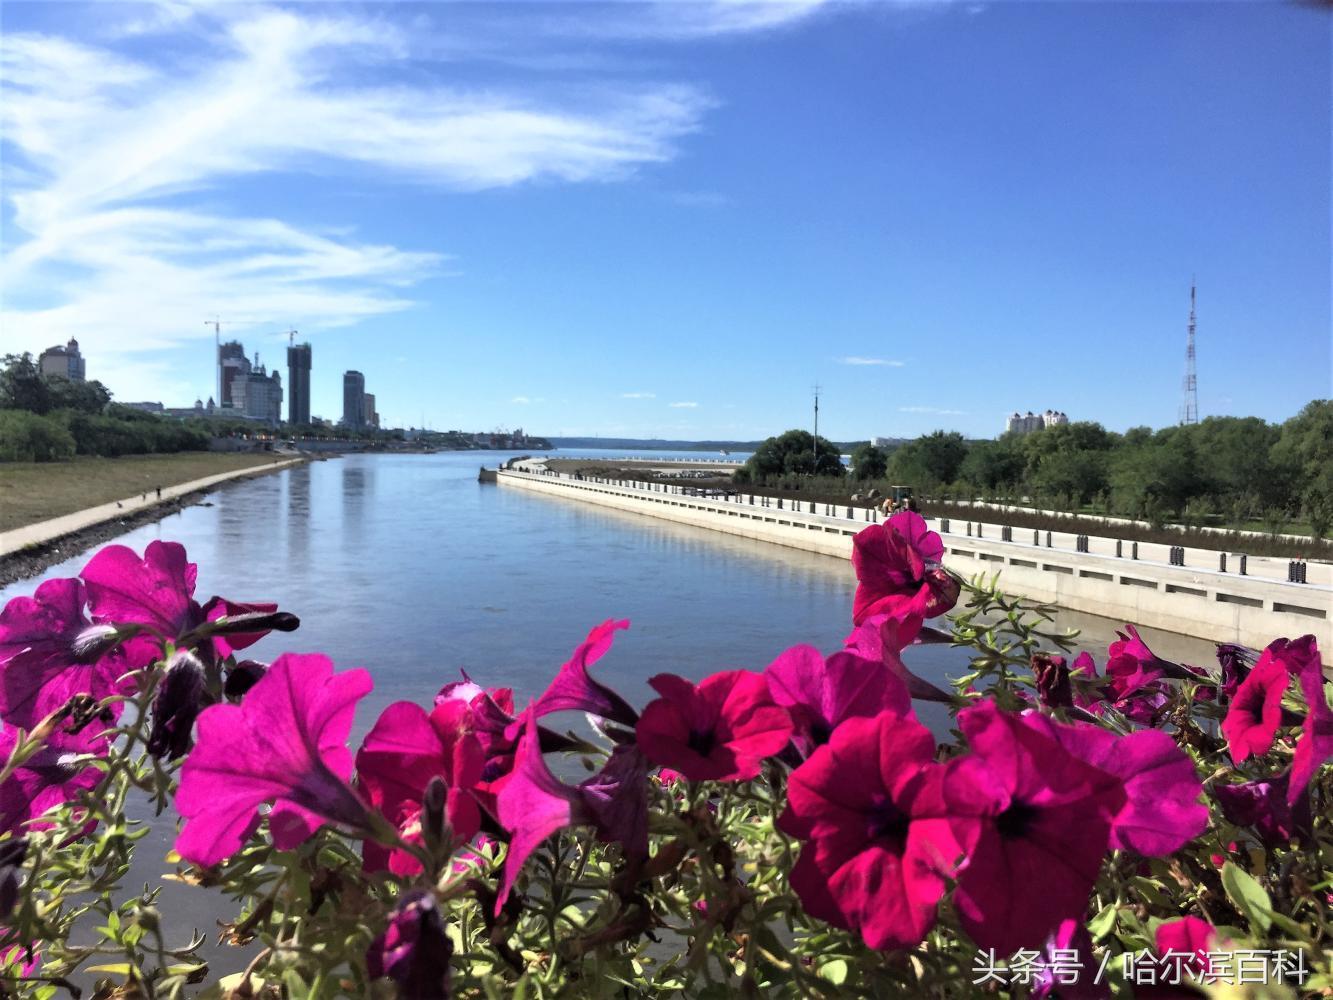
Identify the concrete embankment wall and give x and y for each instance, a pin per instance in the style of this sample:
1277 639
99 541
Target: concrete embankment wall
1207 604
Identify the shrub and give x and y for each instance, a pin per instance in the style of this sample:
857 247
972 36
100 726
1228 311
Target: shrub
26 437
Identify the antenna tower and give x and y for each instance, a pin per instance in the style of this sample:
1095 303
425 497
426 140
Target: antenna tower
1189 402
814 448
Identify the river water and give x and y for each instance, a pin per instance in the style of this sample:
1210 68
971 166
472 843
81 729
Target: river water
406 565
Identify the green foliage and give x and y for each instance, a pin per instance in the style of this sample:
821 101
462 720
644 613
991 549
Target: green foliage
869 462
26 437
929 461
793 453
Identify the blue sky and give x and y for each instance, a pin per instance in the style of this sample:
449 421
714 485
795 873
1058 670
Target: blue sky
643 219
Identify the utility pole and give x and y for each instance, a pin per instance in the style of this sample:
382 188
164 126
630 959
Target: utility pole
1189 403
814 448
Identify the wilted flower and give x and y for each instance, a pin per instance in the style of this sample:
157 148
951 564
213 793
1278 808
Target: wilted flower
821 692
896 564
242 677
872 809
50 653
396 764
1256 710
54 774
1264 806
176 706
1236 662
1051 674
574 689
286 745
720 730
414 949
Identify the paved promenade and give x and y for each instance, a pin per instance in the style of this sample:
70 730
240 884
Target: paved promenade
58 527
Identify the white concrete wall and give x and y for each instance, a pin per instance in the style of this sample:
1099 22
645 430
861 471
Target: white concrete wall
1190 600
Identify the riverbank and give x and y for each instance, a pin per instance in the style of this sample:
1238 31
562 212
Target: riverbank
29 549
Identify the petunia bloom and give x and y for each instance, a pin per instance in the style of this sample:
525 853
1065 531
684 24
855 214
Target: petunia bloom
176 706
414 949
55 774
1048 824
896 564
1315 745
1057 976
883 638
575 690
1190 938
821 692
720 730
1256 710
285 745
42 662
878 839
405 750
533 804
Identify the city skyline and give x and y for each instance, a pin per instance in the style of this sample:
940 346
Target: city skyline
637 221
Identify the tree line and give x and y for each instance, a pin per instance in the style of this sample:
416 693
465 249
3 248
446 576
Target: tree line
1229 471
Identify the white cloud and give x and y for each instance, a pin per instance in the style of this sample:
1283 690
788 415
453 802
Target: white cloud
120 229
638 395
521 399
885 362
671 20
933 410
683 406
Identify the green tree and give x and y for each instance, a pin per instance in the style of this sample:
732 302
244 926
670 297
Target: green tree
1305 447
929 461
22 386
992 466
793 453
869 462
27 437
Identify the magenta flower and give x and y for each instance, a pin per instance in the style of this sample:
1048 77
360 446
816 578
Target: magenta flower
1256 711
1191 937
1058 977
1236 662
403 752
1161 811
871 807
157 593
1315 745
895 564
820 693
286 745
720 730
414 949
176 706
533 803
574 690
883 638
42 662
55 774
1047 823
1266 807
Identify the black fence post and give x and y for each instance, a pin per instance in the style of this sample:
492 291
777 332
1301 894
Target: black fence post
1243 560
1048 539
1036 537
1134 550
1222 563
969 529
1119 548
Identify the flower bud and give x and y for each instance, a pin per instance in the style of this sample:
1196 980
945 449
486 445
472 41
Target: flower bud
414 949
96 641
252 621
432 810
177 705
1052 677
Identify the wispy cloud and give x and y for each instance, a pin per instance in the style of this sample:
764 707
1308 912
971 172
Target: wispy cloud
699 199
671 20
638 395
521 399
684 406
119 230
885 362
932 410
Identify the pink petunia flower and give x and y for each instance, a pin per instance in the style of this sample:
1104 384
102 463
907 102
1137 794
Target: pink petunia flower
534 803
883 638
898 570
402 753
1057 976
720 730
42 658
1266 807
55 774
574 689
1161 811
1191 938
879 841
285 745
1047 824
414 949
820 693
157 593
1315 745
1256 711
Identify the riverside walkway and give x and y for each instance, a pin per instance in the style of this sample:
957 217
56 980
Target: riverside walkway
43 532
1144 583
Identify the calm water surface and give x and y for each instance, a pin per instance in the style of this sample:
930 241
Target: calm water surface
404 564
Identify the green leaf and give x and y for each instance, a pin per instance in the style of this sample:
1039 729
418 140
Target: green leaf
1104 922
835 972
1247 895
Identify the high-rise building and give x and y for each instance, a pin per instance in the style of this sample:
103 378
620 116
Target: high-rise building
257 395
1018 423
298 384
372 416
354 399
231 363
65 361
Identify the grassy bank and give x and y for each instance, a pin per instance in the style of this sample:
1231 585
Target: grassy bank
36 491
